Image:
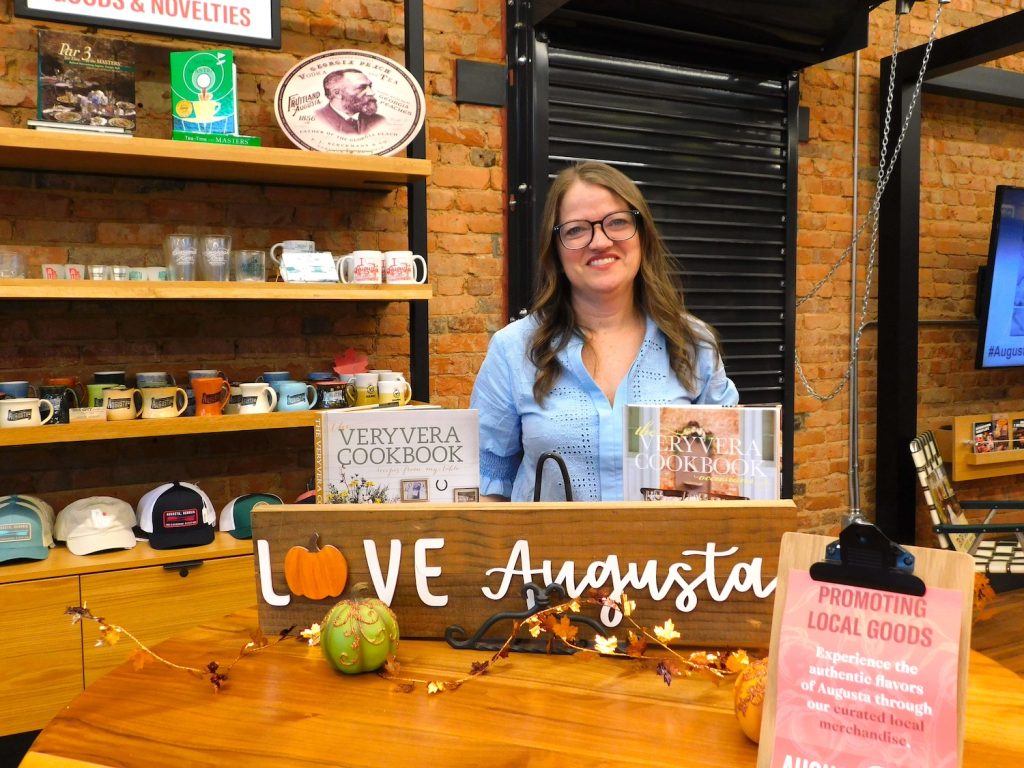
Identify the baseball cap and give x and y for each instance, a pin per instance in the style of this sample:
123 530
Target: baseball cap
236 517
26 528
94 524
176 515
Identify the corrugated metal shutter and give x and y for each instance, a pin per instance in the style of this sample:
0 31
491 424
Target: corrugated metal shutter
710 151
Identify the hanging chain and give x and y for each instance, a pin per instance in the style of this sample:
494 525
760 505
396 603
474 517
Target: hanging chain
884 173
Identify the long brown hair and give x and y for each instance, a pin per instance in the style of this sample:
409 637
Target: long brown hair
656 291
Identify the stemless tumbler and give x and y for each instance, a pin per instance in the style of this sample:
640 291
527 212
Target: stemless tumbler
215 263
181 251
250 266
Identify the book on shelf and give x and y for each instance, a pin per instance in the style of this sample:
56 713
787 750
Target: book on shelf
984 438
397 455
1017 434
702 452
204 96
217 138
85 81
1000 432
105 130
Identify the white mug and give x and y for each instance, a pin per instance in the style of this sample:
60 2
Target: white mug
24 412
291 246
163 402
257 397
389 376
361 268
400 268
394 392
75 271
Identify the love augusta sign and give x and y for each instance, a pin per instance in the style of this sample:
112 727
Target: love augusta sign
709 566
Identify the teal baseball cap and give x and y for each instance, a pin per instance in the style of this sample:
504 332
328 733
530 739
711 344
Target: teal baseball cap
26 528
236 517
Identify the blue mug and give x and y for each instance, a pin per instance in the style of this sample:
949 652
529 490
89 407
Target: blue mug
14 389
294 395
268 377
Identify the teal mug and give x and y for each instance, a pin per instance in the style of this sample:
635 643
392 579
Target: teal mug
294 395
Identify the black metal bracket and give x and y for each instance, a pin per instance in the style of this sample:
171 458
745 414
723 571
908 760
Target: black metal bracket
544 598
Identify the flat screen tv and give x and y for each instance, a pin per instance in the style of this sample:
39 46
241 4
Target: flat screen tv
1001 286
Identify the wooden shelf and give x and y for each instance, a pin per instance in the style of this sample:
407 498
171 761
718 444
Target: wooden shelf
86 431
148 290
968 465
996 457
61 562
110 155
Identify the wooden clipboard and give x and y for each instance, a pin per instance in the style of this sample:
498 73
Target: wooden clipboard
935 568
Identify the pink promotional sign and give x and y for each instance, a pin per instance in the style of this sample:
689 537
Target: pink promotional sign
866 678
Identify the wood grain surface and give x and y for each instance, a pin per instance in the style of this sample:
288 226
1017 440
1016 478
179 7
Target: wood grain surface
286 706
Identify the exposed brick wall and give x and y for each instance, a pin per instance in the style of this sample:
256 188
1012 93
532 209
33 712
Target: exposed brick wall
56 217
967 149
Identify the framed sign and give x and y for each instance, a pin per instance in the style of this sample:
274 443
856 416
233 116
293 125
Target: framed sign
350 101
245 22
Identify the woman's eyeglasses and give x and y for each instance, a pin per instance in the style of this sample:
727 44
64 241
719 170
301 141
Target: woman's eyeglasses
618 225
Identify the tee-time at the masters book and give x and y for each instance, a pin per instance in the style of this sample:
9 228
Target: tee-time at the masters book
702 452
389 455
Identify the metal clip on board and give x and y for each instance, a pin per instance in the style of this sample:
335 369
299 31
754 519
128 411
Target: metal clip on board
863 556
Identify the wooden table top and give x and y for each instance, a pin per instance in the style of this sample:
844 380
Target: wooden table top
286 706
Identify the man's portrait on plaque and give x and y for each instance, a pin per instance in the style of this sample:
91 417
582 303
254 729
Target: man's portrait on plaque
350 101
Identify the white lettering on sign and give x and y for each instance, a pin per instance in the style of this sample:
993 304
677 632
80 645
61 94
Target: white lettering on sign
424 572
743 577
385 589
266 587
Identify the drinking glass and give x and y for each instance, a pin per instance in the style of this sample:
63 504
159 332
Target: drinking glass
12 264
250 266
98 272
181 251
215 263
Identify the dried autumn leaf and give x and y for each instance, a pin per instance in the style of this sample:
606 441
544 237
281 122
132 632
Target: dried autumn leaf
392 666
666 675
737 660
565 629
637 645
479 667
259 640
628 606
605 645
666 632
109 635
139 659
405 687
435 686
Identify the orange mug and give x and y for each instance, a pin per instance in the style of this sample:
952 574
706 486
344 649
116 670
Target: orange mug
212 394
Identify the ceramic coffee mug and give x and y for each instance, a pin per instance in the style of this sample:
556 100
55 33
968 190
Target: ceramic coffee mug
400 268
211 395
146 379
330 394
62 398
94 394
271 376
110 377
390 376
163 402
294 395
158 273
24 412
68 381
362 390
394 392
17 388
235 399
361 268
122 404
75 271
137 273
257 397
206 373
291 246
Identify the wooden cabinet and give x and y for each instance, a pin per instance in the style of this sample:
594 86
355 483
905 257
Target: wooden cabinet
47 660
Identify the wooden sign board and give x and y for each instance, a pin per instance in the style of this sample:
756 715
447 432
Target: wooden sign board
837 679
708 566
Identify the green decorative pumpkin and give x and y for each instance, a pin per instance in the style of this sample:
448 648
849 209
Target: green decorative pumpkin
359 635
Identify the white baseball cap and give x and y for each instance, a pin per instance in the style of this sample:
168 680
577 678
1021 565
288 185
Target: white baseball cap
96 523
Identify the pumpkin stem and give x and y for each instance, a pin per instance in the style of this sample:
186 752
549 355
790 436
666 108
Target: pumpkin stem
361 589
314 542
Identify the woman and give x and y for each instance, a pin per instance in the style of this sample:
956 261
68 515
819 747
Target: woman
607 327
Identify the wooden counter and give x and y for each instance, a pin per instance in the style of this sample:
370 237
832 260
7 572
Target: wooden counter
285 706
